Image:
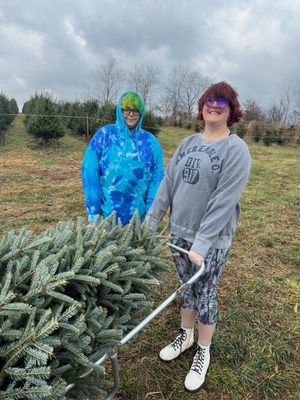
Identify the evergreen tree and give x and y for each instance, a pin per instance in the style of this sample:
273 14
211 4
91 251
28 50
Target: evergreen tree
279 139
151 123
7 110
256 134
74 110
13 106
81 116
267 137
66 297
241 129
43 123
107 114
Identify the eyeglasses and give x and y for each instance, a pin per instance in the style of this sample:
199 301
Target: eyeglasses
134 111
221 103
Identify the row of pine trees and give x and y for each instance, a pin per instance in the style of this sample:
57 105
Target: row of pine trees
47 119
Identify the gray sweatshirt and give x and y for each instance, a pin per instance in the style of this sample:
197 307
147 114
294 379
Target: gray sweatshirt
202 186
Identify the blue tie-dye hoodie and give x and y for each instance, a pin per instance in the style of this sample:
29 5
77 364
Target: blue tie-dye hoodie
121 170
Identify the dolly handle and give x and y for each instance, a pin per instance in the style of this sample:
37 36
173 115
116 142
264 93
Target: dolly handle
178 248
112 354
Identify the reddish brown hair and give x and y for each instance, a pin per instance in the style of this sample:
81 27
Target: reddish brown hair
222 90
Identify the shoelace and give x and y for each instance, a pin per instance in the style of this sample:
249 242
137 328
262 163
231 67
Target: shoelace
179 340
198 360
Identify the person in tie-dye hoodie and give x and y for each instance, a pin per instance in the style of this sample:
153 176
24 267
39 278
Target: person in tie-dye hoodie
123 165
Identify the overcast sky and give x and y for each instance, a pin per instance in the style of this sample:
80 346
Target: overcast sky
55 45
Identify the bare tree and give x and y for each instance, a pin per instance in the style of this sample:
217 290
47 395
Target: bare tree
107 79
253 110
193 84
295 113
183 89
279 111
173 89
144 80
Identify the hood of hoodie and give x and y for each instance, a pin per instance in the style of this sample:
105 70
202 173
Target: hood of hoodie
121 121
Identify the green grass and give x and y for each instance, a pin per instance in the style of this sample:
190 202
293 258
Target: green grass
255 353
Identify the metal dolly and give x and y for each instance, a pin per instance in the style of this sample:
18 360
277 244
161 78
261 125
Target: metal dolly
113 353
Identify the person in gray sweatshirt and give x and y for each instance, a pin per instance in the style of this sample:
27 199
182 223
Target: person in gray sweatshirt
202 187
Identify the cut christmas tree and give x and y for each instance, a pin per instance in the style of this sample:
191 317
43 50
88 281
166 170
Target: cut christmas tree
66 297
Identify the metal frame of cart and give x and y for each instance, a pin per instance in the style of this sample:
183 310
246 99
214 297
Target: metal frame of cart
113 353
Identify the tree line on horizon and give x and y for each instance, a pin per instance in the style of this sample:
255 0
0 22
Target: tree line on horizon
171 104
48 120
175 96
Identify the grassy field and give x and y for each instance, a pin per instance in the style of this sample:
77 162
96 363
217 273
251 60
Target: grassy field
255 354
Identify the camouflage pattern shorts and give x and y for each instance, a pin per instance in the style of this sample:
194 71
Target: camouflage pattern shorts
202 294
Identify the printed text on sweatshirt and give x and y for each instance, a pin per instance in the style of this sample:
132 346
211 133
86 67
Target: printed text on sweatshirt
202 186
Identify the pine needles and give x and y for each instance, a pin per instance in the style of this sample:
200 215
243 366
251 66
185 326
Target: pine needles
66 297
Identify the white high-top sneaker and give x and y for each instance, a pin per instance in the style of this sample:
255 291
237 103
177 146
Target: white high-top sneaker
196 376
183 341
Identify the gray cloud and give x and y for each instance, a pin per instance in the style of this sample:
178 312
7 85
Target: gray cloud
56 45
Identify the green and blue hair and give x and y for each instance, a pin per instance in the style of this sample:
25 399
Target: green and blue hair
133 100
